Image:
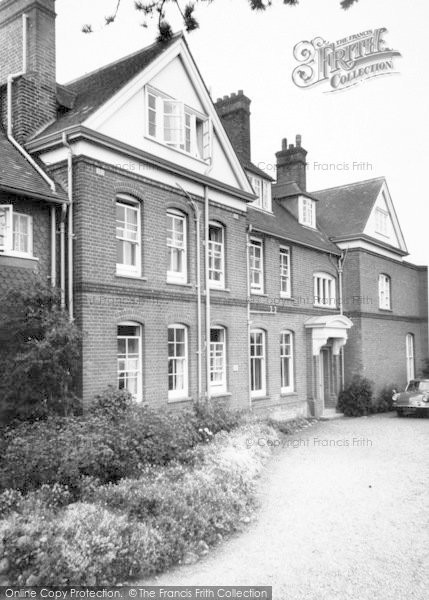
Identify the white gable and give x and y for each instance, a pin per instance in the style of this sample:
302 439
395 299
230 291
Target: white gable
172 76
383 223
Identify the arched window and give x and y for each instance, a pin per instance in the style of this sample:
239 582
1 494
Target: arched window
258 375
409 344
325 293
129 340
216 252
286 361
128 236
218 382
177 362
384 291
176 247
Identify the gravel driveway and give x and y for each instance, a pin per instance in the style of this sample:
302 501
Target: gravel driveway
345 521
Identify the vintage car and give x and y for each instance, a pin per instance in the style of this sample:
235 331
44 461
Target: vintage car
415 399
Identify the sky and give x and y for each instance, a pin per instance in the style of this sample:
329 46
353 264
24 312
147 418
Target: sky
377 128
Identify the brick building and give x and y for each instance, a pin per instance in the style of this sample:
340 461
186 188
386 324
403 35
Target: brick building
190 272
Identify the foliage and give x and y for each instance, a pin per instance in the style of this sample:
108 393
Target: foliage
383 402
356 398
424 371
39 353
138 526
115 439
158 8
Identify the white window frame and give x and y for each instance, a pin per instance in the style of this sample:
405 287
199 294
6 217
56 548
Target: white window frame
384 292
10 241
198 122
307 212
382 222
218 387
256 243
179 277
325 290
138 397
262 189
214 250
131 204
285 272
410 356
261 392
179 394
286 389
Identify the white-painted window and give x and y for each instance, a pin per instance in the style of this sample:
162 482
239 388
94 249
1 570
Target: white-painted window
216 252
256 264
381 221
217 360
176 247
285 287
409 344
262 189
384 301
130 359
258 377
324 290
177 362
171 122
128 251
286 361
16 232
307 211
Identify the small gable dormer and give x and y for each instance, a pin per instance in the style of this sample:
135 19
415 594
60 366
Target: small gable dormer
382 222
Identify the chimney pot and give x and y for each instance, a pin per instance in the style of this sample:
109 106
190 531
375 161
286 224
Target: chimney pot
226 97
240 93
284 144
291 146
298 141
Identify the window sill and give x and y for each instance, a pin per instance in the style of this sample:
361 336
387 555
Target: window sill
386 310
179 283
218 289
179 400
288 394
20 262
220 394
262 397
256 293
19 255
284 296
129 276
325 307
179 150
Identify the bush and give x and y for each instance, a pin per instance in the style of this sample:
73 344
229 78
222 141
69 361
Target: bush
39 353
212 417
356 398
383 401
138 525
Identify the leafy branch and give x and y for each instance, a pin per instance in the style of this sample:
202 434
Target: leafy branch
152 8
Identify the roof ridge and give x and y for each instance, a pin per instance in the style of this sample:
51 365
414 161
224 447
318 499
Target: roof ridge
175 36
344 185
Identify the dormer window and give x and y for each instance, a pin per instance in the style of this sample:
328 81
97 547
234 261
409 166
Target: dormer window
307 212
171 122
262 189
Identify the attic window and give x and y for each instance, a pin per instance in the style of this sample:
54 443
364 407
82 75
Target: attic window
173 123
307 211
262 189
382 222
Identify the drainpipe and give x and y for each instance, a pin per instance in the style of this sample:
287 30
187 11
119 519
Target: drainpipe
249 322
53 247
208 317
10 79
70 235
197 219
341 260
63 256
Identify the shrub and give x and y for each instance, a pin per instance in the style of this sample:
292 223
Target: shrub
39 353
211 417
356 398
383 401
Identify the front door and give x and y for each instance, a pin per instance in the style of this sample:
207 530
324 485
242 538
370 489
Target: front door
327 378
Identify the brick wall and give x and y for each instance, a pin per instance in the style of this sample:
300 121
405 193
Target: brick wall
34 94
15 270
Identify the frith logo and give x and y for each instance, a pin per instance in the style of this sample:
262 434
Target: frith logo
344 63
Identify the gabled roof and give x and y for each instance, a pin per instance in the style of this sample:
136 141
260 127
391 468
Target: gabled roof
345 210
283 224
18 176
288 189
88 93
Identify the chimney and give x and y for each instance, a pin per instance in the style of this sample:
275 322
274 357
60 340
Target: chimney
34 93
291 165
234 111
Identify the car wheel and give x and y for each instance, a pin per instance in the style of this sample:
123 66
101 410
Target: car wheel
399 412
